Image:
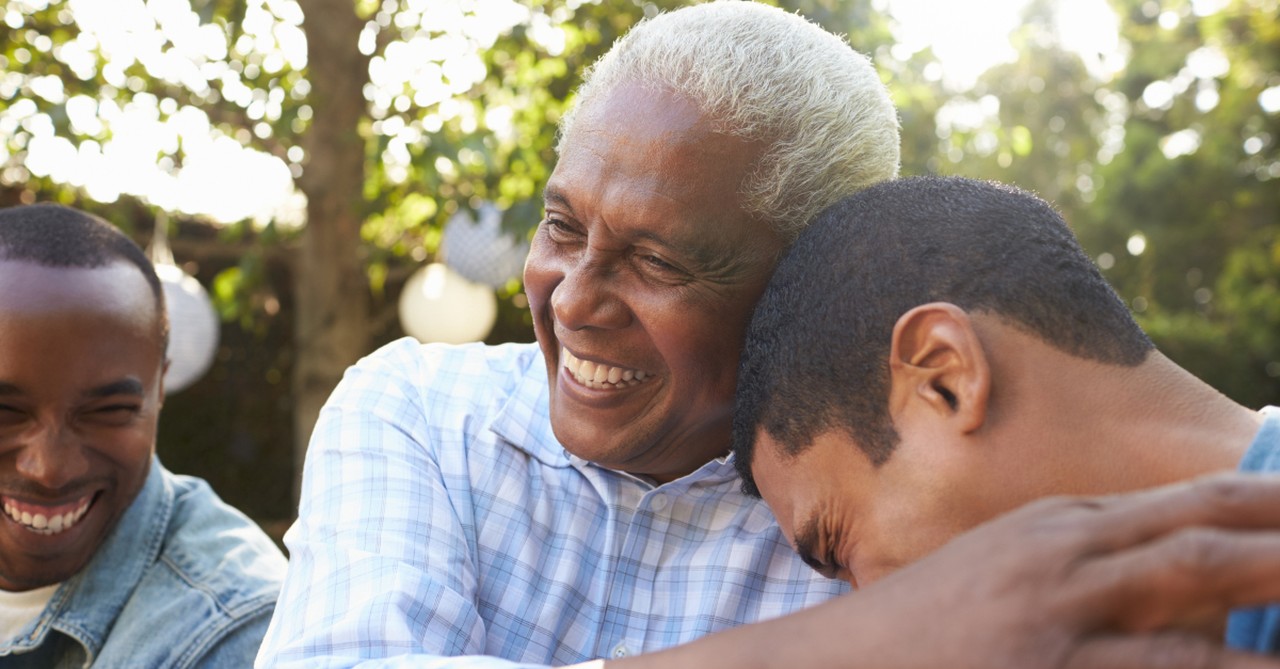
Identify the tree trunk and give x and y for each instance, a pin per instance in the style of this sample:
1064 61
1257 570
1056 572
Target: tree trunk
332 292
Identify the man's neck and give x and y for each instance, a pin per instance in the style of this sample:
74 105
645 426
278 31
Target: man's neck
1155 424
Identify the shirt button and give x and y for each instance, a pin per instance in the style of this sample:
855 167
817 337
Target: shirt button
659 502
620 650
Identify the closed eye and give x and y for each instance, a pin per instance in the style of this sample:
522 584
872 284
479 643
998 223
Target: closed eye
825 569
808 545
114 414
558 227
10 415
656 262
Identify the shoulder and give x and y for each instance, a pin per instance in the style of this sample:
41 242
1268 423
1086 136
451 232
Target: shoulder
218 549
437 378
408 359
1263 455
213 585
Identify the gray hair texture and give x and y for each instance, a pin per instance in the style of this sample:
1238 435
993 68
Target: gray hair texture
762 74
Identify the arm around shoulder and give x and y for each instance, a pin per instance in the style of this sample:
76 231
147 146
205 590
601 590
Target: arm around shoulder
1068 583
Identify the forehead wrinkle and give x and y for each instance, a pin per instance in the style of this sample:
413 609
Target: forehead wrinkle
806 542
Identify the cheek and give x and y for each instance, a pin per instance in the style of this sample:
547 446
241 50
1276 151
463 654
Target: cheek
129 449
915 524
703 368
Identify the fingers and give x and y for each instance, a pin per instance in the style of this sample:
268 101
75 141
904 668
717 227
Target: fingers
1230 501
1161 651
1188 576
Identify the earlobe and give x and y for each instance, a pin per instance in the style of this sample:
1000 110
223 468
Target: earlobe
936 358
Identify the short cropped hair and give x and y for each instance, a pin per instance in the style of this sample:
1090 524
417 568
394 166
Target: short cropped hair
816 356
762 74
52 235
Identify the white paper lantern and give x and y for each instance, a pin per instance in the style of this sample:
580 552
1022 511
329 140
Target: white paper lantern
480 250
440 305
193 328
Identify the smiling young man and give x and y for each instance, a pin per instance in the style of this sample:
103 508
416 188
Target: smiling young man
106 558
935 352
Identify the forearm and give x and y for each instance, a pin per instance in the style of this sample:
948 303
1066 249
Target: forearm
822 636
1100 583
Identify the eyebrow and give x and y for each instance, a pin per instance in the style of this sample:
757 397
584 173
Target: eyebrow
807 543
551 194
121 387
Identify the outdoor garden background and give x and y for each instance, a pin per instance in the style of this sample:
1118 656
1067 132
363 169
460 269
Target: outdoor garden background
305 156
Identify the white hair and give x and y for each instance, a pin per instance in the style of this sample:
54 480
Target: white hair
762 74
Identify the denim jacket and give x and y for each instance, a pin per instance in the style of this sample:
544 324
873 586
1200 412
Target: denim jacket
183 580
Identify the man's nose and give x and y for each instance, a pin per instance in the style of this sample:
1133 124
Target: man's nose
51 457
587 297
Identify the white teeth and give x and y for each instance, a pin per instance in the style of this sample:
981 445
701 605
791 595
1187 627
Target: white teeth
597 375
46 524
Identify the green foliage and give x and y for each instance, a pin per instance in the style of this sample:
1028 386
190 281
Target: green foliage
1210 216
1174 146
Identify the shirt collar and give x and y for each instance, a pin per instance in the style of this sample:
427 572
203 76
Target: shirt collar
87 604
522 420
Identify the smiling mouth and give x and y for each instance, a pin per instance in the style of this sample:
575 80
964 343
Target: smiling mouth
599 376
47 520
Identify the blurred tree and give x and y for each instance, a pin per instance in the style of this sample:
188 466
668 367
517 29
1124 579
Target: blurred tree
332 295
1190 214
366 124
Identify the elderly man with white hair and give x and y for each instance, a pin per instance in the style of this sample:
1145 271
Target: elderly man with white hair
574 500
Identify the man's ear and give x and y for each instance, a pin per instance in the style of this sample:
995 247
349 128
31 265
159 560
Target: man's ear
936 357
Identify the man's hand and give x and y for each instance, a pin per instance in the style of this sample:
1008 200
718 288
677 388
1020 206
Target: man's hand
1091 582
1064 583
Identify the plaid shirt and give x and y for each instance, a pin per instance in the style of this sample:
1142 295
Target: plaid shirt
442 524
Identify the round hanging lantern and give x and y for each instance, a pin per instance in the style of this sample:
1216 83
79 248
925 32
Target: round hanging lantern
479 250
193 328
440 305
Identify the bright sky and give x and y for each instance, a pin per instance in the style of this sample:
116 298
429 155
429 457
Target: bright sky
970 36
167 38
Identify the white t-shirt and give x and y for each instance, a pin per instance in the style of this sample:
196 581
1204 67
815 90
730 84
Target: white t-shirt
18 609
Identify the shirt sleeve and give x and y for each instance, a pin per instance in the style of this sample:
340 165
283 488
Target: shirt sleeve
381 569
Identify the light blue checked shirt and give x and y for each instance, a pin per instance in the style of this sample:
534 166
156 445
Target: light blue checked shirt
442 525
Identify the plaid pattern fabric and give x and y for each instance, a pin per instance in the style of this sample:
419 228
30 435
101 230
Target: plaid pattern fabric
441 524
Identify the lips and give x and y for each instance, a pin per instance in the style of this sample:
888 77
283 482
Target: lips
600 376
46 519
